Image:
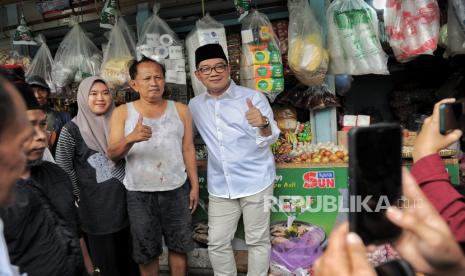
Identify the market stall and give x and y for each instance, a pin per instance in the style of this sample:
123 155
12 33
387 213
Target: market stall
364 64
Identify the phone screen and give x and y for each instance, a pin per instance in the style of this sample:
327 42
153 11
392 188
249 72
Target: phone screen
450 117
375 178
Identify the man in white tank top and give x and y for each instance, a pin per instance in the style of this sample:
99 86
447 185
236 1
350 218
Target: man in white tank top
237 126
155 137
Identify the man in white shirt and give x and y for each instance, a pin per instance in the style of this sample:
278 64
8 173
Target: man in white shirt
15 133
237 126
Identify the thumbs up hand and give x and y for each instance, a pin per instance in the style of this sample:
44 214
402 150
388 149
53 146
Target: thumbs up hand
254 116
141 132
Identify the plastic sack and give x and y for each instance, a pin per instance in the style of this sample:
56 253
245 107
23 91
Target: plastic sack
286 118
206 31
109 14
42 66
308 59
77 57
455 35
261 63
23 35
412 27
314 97
297 253
160 43
118 55
353 39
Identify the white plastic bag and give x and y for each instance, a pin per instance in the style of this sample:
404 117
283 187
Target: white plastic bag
118 55
353 39
77 57
42 66
412 27
160 43
308 59
261 63
206 31
109 14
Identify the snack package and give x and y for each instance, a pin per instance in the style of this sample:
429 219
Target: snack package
23 35
353 39
308 59
109 14
412 27
14 58
455 34
118 55
261 63
286 118
77 57
206 31
42 66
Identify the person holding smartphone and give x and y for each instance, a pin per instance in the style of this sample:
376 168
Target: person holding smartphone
432 177
426 242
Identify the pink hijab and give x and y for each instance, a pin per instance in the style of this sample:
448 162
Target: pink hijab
94 129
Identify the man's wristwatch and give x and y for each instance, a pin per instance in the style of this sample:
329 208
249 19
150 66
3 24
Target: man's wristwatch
267 123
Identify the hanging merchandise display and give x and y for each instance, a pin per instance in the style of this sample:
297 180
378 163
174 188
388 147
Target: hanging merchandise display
160 43
308 59
77 57
42 66
242 7
118 55
206 31
23 35
14 58
109 14
46 7
412 27
455 34
261 64
353 39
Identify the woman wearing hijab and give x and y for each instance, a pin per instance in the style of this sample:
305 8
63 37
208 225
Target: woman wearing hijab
97 186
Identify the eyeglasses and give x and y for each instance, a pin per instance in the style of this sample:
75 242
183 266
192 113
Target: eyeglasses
219 68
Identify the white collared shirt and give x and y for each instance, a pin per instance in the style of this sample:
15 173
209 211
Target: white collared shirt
6 268
240 161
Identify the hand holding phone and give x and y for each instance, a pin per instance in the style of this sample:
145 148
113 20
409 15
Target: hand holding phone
374 179
451 116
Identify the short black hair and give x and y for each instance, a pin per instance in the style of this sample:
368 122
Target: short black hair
7 108
135 63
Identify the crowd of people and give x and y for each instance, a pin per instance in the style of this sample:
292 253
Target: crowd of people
124 181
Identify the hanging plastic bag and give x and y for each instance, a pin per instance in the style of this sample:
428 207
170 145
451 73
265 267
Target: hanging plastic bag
458 8
206 31
353 39
455 34
118 55
42 66
109 14
77 57
308 59
23 35
412 27
261 64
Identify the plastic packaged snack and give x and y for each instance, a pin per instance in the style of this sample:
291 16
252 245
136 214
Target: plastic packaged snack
261 63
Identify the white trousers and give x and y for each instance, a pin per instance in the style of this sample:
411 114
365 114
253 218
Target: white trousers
223 216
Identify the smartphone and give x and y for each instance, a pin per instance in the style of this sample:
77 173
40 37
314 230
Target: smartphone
451 117
375 160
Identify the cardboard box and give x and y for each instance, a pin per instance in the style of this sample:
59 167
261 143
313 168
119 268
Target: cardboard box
342 139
